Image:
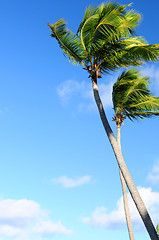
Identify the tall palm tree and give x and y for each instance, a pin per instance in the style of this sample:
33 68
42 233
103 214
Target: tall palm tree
104 42
132 99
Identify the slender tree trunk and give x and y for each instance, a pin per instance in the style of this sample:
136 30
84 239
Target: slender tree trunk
124 190
128 179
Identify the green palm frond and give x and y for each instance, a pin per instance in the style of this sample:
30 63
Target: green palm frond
145 51
147 102
131 20
69 42
97 29
132 98
87 31
131 42
101 11
90 11
105 39
113 28
119 54
106 32
130 52
109 23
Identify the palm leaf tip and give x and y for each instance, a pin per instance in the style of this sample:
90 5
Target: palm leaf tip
89 12
69 42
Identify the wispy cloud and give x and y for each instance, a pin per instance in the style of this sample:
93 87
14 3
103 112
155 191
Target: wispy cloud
66 182
152 70
72 91
70 88
81 92
23 219
106 93
49 229
100 217
153 176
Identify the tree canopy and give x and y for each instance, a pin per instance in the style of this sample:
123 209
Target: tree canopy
105 39
132 97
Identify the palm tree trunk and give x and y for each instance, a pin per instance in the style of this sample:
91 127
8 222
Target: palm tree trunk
124 190
128 179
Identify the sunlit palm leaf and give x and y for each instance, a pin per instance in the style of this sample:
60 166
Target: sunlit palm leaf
69 42
90 11
131 20
87 31
118 55
114 27
105 39
132 98
106 32
146 52
109 23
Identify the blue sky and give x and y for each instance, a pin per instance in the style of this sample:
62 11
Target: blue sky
58 176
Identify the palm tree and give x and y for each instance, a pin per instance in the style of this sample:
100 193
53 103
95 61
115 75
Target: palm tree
104 42
157 228
132 99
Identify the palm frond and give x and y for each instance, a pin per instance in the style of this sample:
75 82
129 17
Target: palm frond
132 98
140 115
68 42
145 52
147 103
102 10
131 20
105 39
106 24
131 42
118 55
106 32
87 31
90 11
112 28
135 53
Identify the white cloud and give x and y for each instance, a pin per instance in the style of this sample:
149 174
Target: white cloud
19 212
83 93
48 229
23 219
153 176
105 91
152 71
116 218
67 89
72 182
10 231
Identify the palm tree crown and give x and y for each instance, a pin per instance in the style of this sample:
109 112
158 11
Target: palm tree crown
132 98
105 39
